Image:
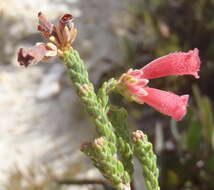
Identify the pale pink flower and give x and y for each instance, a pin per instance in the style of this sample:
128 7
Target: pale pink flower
133 84
36 53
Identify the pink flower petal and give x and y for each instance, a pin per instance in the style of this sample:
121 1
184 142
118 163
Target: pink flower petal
45 26
31 55
140 91
166 102
137 73
180 63
36 53
142 82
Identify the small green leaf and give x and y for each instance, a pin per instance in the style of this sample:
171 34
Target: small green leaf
193 137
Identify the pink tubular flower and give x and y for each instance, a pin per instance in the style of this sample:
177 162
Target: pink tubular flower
180 63
166 102
133 84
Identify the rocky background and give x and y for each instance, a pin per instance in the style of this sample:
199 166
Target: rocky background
42 123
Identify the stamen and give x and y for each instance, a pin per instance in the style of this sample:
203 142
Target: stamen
54 40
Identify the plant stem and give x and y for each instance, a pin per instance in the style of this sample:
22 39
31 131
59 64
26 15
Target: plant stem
79 76
103 152
144 152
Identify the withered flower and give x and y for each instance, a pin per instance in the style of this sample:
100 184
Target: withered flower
36 54
59 37
62 35
31 55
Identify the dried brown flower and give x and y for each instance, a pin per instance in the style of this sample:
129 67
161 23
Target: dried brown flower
62 35
31 55
60 38
45 27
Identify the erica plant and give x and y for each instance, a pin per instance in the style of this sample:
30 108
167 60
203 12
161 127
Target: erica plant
113 151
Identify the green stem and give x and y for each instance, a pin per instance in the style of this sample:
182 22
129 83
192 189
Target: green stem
79 76
102 157
103 152
118 117
144 152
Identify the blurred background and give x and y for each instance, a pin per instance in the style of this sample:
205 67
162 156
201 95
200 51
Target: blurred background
42 123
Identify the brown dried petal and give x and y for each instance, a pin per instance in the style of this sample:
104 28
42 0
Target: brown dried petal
58 29
66 20
31 55
73 35
45 26
65 30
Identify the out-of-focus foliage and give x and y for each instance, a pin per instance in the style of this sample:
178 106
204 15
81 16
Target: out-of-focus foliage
206 117
156 28
189 162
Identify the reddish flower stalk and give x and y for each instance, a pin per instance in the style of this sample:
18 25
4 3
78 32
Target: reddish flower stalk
133 84
59 39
